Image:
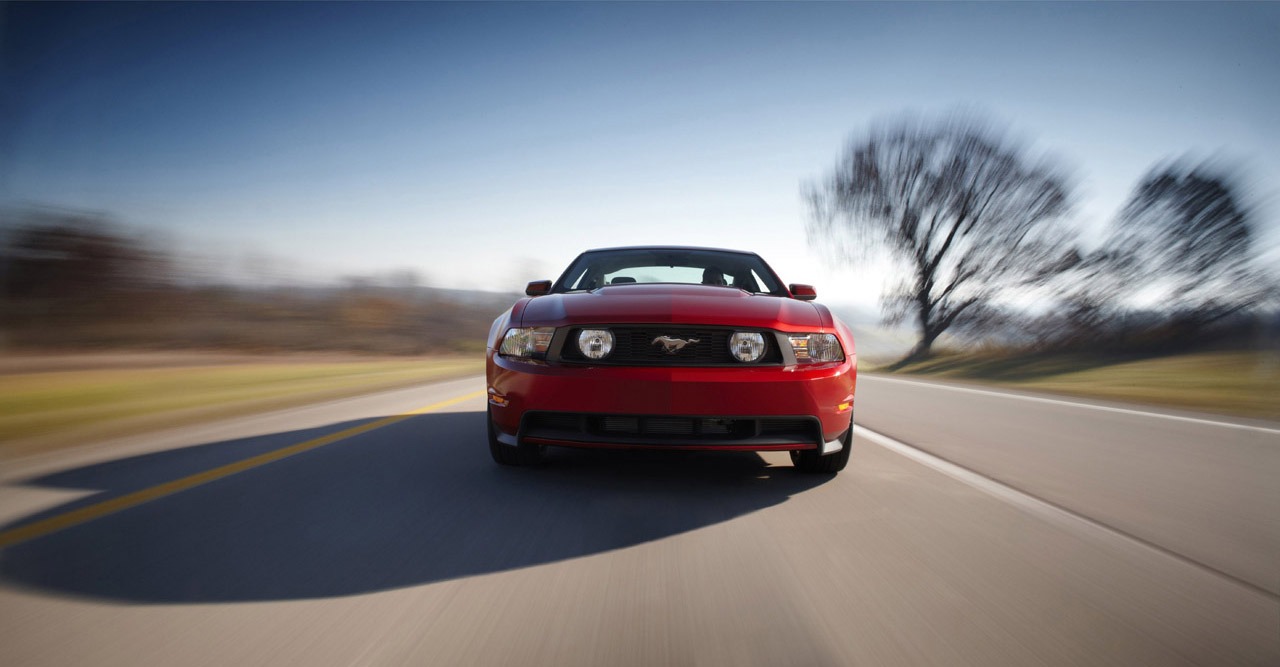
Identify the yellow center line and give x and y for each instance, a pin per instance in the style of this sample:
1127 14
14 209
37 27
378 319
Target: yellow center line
88 513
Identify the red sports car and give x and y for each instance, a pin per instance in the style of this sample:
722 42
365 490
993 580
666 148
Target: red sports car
672 348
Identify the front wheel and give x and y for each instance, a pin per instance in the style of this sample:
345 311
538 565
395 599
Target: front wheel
812 460
520 455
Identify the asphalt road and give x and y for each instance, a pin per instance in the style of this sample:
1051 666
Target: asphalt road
1057 534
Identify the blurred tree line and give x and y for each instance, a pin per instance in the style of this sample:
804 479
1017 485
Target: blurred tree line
976 226
70 281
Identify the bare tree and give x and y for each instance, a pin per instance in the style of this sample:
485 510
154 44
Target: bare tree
964 209
1178 259
1185 237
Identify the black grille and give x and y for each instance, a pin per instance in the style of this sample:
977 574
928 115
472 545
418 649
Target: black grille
561 421
784 426
670 429
635 346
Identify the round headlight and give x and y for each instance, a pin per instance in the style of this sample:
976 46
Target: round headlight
747 346
595 343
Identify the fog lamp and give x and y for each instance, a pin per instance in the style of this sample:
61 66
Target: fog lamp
747 346
595 343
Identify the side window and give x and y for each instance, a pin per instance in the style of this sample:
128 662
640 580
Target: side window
575 282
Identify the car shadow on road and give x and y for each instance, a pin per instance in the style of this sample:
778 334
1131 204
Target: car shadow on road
412 503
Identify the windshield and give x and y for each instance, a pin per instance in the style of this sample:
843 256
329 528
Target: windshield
630 266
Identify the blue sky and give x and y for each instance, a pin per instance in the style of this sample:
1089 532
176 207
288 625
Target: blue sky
487 144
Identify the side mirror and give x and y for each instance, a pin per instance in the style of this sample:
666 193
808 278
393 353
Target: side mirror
803 292
538 288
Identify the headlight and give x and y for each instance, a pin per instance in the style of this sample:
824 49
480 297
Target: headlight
746 346
816 347
595 343
528 343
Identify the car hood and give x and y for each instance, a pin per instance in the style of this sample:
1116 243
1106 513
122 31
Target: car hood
675 304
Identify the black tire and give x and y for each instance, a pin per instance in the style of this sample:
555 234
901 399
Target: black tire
520 455
812 460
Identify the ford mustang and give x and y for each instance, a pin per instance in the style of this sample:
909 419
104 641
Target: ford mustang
672 348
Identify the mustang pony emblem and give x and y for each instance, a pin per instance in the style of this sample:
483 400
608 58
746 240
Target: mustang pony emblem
672 345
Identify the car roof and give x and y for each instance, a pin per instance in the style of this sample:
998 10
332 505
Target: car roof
671 247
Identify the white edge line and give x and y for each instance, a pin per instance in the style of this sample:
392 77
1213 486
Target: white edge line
973 479
1041 399
1038 507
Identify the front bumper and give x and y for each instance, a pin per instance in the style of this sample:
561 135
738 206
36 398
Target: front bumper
711 398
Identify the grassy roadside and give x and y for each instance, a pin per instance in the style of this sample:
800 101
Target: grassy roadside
56 408
1234 383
